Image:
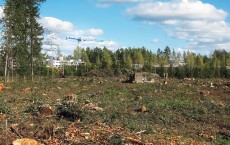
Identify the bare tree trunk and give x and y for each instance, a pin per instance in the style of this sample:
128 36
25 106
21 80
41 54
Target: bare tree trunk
12 69
6 68
31 51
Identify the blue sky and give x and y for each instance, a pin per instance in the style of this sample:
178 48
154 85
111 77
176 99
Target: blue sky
196 25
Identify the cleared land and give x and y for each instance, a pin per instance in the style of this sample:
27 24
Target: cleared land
90 110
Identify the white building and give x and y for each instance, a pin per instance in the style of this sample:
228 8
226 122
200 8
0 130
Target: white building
59 63
54 63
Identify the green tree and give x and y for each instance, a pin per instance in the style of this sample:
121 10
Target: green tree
34 34
167 52
199 66
77 53
180 72
138 58
106 59
24 33
159 53
98 62
199 61
222 56
85 58
129 62
8 38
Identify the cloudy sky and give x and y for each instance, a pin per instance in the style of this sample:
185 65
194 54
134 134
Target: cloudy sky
196 25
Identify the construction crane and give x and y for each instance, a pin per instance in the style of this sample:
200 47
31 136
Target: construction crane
79 40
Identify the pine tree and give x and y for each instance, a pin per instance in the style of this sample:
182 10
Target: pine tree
8 39
35 31
23 33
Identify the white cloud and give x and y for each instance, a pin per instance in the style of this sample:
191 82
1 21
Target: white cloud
59 30
56 25
185 9
156 40
200 24
203 34
1 12
94 32
68 46
86 33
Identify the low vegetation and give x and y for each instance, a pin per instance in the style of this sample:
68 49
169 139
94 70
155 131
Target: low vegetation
96 110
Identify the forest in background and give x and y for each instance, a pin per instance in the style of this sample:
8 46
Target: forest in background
178 65
21 54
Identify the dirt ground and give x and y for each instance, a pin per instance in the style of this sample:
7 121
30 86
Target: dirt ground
96 110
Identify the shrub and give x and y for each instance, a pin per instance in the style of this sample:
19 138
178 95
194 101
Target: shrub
69 70
115 140
34 108
70 111
4 108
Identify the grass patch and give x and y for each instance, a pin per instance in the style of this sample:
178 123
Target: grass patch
173 109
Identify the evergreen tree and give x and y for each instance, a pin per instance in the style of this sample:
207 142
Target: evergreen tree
23 31
8 39
167 53
34 33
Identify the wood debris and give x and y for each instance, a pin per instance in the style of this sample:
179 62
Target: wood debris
27 90
132 140
141 109
46 111
204 93
92 106
70 97
3 117
26 141
1 87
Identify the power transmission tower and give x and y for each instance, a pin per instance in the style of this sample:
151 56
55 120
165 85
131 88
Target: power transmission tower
50 42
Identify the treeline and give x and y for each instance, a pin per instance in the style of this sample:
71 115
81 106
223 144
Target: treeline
179 65
123 62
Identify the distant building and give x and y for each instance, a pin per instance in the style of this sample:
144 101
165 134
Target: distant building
54 63
60 62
